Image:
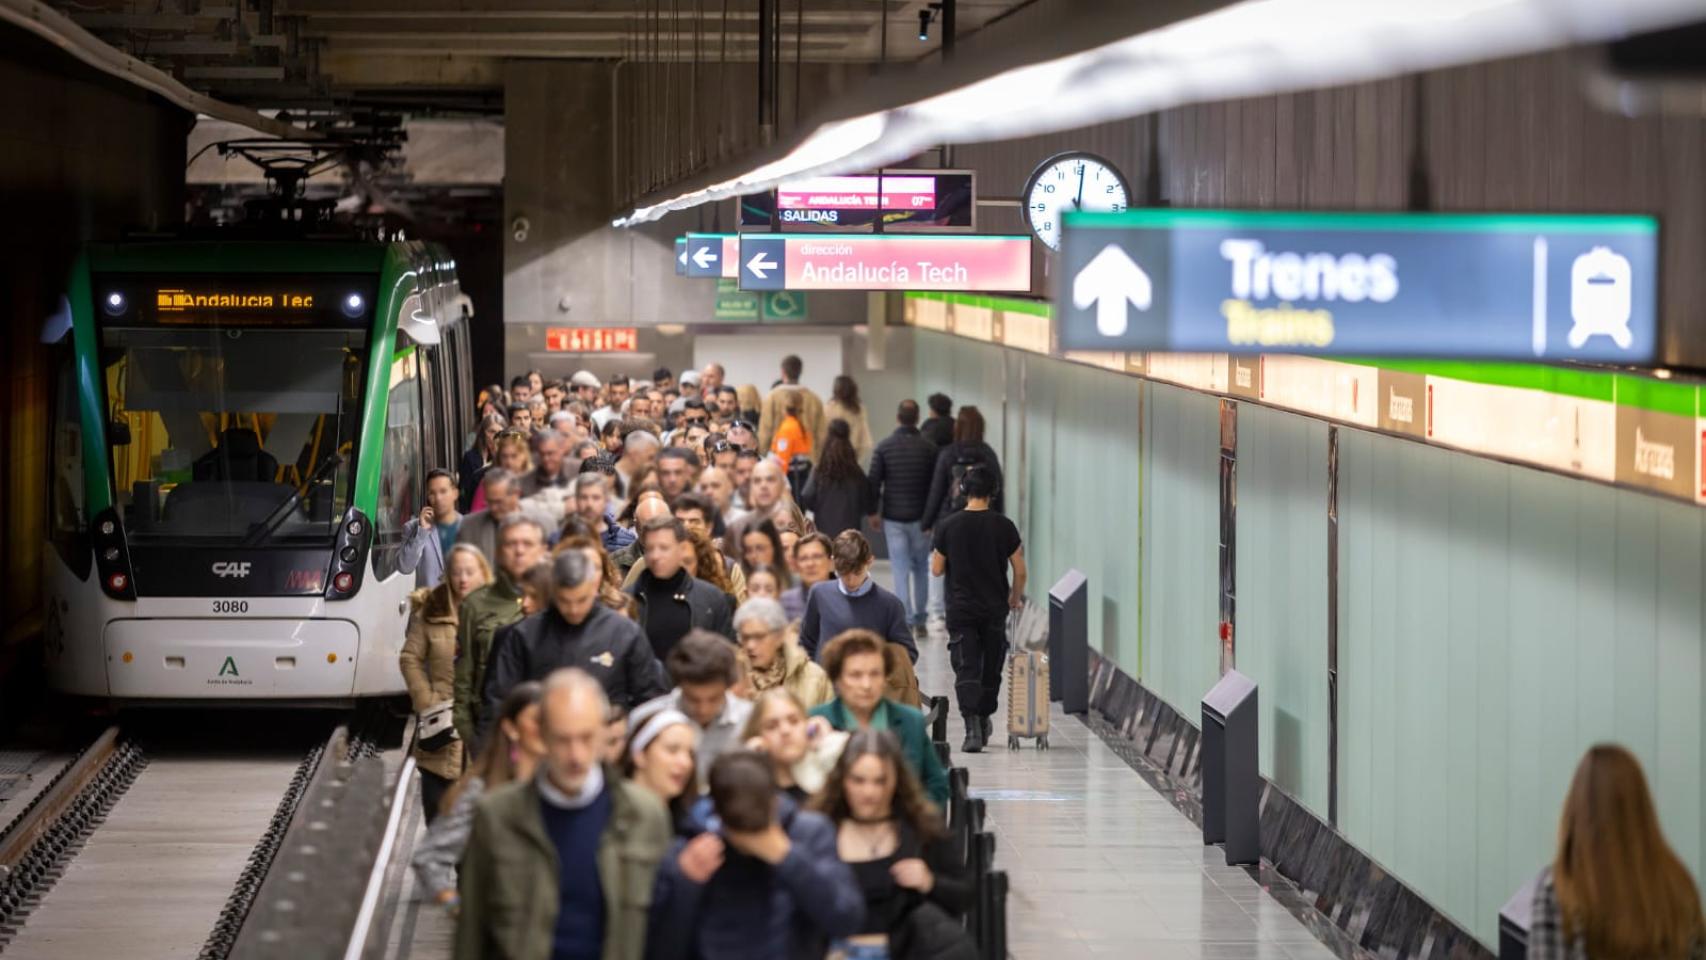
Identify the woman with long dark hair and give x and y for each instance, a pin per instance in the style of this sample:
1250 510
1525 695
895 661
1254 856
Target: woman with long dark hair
1616 890
761 546
510 755
968 450
478 457
838 494
844 405
894 839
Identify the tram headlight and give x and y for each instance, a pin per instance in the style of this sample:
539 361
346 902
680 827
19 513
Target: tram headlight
110 554
114 303
344 582
353 528
107 528
354 305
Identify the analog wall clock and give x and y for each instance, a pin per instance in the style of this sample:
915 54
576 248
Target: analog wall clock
1071 181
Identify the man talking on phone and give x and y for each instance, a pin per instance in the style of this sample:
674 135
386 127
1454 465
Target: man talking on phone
422 552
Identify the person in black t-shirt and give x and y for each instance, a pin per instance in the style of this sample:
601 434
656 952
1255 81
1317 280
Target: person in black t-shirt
973 549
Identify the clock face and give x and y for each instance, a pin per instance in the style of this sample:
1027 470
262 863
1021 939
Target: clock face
1071 181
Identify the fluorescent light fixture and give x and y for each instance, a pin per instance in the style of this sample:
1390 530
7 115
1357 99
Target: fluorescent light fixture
1254 48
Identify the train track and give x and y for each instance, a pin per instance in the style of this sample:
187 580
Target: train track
135 845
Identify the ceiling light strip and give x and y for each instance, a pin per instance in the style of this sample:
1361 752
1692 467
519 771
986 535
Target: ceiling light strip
1254 48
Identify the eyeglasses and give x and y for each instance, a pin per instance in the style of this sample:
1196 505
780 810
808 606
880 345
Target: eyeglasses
719 445
698 421
755 637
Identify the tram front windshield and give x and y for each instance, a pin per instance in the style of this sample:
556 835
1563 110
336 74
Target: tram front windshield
230 433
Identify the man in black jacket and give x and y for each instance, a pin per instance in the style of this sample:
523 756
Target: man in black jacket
574 631
673 601
901 471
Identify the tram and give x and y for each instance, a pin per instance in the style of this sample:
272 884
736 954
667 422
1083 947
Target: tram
239 432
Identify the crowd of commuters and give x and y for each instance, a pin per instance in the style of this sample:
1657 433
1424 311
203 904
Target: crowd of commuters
664 711
663 708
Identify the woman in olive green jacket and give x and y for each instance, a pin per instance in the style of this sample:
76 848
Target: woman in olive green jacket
428 662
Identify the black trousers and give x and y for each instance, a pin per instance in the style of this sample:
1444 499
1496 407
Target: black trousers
433 789
978 651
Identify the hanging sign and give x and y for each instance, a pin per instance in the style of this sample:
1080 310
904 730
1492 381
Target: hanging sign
1520 286
984 264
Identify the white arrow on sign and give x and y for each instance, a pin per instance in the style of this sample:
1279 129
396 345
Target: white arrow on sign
703 257
681 257
1111 280
761 265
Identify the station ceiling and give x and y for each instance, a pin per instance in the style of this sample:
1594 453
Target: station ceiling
446 56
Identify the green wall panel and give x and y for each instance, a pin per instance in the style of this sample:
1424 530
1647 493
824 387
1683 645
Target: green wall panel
1181 545
1282 594
1495 622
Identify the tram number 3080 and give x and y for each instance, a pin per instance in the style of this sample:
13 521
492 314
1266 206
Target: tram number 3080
230 606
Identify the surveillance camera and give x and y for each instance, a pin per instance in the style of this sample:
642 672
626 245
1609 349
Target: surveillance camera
518 229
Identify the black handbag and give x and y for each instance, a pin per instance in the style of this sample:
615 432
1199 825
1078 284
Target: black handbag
927 932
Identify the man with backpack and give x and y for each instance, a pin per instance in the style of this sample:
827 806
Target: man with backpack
973 548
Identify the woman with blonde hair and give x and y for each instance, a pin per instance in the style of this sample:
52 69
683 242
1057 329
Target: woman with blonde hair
512 454
428 662
750 402
802 750
1616 890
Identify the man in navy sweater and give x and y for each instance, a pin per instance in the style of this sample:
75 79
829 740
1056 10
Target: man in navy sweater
852 599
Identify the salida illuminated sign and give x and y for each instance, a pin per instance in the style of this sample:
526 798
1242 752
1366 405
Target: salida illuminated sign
1522 286
592 339
902 200
880 262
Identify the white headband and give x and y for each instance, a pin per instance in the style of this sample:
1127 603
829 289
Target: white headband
654 725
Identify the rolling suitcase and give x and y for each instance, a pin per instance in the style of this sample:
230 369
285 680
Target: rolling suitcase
1027 698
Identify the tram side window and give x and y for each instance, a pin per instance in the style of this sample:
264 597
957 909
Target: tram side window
400 472
70 526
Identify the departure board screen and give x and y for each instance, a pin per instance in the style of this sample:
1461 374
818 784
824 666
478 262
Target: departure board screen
237 300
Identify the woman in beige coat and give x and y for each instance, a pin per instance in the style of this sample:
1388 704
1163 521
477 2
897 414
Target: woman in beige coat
429 664
770 658
844 404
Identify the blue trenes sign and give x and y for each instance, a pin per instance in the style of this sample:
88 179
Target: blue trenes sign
1516 287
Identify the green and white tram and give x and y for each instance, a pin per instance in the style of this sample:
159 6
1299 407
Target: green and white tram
240 431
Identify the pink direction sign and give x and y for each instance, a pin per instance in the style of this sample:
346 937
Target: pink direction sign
975 263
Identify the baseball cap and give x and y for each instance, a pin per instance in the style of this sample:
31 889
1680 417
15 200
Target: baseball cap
689 376
584 378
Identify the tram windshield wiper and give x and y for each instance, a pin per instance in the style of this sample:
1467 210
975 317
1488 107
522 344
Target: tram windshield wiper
267 527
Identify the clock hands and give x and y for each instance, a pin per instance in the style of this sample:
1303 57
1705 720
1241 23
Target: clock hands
1078 201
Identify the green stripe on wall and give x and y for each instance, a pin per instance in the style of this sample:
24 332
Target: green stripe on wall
1036 308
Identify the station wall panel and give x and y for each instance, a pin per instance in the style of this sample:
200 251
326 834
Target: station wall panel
1494 623
1282 597
1181 545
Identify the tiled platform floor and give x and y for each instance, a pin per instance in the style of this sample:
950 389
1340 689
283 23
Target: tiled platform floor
1100 865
